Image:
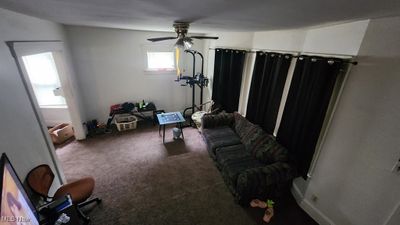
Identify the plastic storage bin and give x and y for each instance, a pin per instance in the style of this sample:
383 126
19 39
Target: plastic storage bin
125 122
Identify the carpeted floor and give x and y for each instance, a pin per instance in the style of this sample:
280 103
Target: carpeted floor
142 181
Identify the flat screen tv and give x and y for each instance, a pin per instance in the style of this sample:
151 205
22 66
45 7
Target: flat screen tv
16 207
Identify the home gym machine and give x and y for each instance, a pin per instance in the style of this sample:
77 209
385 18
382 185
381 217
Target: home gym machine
197 79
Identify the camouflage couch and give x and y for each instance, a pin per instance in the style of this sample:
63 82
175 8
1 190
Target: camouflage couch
251 162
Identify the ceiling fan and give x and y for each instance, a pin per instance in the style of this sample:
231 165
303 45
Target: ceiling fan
184 41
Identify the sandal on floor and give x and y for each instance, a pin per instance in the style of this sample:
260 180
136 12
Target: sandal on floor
269 213
258 203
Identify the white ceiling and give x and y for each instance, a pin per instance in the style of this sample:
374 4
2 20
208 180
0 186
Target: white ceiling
206 15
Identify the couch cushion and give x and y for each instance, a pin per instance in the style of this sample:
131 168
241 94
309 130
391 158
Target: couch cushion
219 137
218 120
257 138
227 153
272 152
243 127
234 166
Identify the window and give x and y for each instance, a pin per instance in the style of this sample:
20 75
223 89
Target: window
42 73
160 61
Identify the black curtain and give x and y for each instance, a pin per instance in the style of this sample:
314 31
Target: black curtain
268 80
228 69
309 95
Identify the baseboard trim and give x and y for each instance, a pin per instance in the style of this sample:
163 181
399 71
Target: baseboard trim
297 193
315 213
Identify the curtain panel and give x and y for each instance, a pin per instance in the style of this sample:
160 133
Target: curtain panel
268 81
309 95
227 80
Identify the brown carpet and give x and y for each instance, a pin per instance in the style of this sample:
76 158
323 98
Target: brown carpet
142 181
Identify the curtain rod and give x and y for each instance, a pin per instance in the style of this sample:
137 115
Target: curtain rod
298 54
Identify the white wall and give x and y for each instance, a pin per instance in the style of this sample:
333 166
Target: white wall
240 40
54 116
342 39
20 135
352 177
286 40
110 65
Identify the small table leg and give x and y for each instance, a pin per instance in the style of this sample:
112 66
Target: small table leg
163 136
180 127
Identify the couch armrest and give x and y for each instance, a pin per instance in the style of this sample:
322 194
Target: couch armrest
218 120
264 182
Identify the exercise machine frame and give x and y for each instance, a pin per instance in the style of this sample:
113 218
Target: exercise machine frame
196 79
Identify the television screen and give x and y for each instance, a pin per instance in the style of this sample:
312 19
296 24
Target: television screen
16 207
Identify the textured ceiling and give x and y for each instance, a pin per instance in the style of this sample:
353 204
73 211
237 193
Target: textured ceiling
206 15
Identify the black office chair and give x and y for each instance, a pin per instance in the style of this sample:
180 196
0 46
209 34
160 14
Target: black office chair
41 178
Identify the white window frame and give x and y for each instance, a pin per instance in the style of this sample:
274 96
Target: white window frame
158 48
169 54
57 85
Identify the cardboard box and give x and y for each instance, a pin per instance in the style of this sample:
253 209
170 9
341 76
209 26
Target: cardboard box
60 133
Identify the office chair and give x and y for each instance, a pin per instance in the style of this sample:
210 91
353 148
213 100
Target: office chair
40 179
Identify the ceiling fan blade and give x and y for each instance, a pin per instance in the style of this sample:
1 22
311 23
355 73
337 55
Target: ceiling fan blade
161 39
204 37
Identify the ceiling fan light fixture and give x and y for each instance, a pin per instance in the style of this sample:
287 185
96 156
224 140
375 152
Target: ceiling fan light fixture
184 43
179 43
183 40
188 43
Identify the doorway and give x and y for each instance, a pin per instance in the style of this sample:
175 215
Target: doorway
45 81
47 77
